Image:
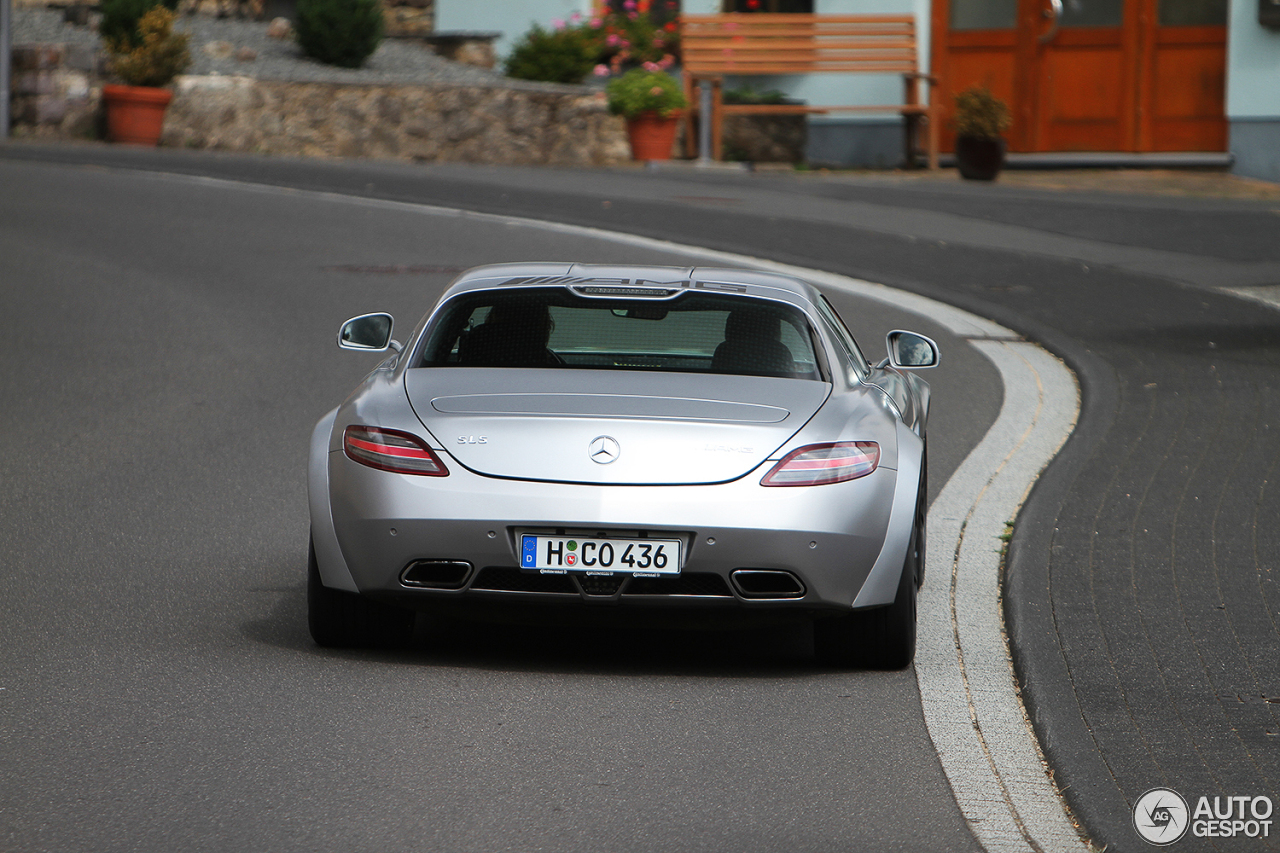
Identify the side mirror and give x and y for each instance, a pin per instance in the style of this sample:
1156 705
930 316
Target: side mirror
368 333
910 350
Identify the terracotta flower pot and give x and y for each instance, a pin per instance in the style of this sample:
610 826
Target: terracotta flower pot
979 158
135 114
652 136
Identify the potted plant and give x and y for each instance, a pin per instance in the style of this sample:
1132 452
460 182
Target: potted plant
650 99
980 119
146 64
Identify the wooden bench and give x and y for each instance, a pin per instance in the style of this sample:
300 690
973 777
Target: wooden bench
743 45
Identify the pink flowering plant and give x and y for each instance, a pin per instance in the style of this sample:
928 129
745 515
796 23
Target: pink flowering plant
605 45
647 89
630 38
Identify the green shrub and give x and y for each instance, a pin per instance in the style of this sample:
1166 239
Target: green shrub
339 32
120 18
161 56
564 55
644 90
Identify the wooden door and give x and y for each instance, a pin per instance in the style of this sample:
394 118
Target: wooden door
1079 90
1184 73
1090 75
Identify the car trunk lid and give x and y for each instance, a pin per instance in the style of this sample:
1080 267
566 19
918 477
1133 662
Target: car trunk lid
615 427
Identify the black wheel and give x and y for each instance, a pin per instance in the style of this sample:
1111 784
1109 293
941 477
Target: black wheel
340 619
881 638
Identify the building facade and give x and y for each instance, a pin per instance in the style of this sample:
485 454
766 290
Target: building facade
1119 76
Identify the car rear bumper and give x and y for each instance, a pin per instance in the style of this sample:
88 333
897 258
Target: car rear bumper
828 538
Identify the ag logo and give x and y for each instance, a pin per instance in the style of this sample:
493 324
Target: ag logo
1161 816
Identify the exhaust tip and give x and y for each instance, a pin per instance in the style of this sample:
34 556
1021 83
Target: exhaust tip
436 574
767 583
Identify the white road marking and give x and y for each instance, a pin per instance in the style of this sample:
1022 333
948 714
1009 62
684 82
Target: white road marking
967 687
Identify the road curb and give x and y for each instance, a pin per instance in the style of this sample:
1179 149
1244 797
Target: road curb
997 771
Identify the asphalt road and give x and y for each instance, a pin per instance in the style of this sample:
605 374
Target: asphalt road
168 347
1141 590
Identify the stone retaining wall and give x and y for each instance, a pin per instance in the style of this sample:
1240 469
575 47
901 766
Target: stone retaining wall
432 123
765 138
409 17
53 91
57 94
403 17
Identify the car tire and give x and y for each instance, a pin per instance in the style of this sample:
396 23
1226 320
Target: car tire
339 619
881 637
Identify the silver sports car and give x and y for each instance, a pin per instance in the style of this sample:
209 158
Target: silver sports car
700 440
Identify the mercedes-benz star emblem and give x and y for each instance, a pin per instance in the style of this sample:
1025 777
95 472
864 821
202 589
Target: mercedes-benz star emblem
604 449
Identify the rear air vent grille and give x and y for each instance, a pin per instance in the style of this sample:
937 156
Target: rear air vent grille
502 579
600 584
692 583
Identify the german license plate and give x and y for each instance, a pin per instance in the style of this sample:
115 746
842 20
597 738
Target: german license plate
575 554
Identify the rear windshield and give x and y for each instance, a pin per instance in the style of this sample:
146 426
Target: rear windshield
555 327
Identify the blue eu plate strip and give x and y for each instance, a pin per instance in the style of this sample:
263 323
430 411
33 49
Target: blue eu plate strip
529 548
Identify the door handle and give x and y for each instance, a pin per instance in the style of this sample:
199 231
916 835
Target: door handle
1054 11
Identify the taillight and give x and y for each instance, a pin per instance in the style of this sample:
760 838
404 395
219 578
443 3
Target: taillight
391 450
817 464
